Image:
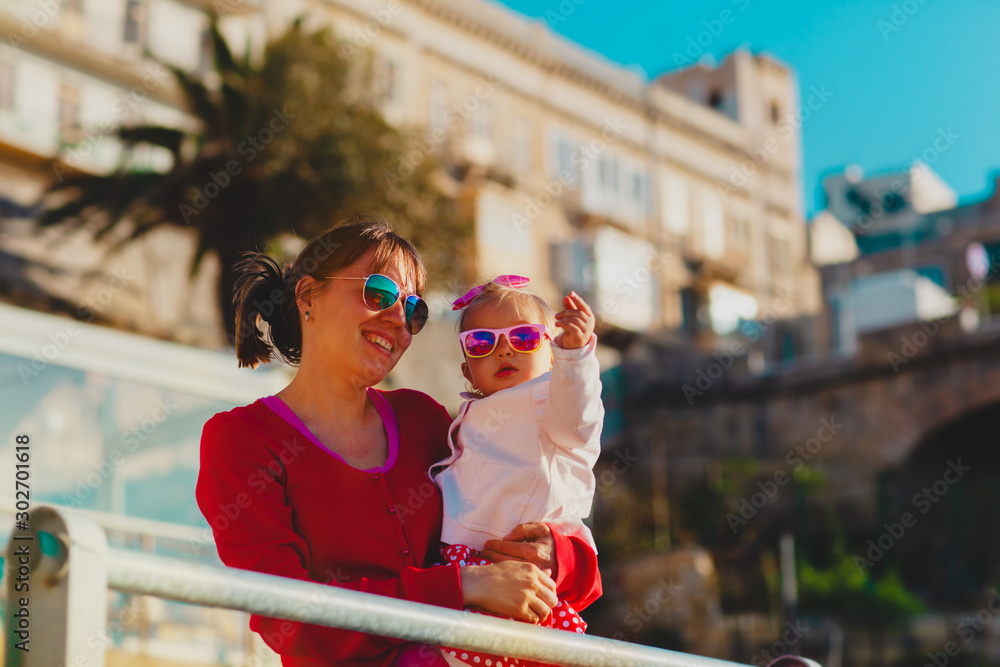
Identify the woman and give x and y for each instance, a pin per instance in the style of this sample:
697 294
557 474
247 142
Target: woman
326 481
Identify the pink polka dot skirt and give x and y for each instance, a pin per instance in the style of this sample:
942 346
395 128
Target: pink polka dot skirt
563 616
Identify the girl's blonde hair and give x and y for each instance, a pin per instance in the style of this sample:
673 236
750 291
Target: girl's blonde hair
524 302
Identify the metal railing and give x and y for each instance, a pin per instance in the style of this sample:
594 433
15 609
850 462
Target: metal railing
149 531
64 560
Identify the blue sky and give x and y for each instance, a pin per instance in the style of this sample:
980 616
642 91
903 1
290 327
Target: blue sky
900 71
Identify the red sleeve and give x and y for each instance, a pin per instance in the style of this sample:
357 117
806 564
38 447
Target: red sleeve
252 526
578 580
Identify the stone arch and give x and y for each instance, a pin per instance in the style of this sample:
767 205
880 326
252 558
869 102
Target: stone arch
950 484
960 392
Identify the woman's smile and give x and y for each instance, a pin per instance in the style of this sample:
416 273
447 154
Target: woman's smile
380 341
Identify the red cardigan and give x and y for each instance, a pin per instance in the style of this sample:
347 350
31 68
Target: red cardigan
279 504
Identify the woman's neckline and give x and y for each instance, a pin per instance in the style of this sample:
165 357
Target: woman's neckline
385 412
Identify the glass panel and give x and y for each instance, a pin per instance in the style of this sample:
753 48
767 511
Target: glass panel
102 443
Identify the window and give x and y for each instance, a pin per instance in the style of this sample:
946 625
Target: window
775 113
206 54
439 105
637 187
892 202
521 145
634 189
609 174
738 230
713 224
676 213
143 156
571 265
778 254
136 22
715 99
854 198
386 81
622 260
503 245
935 274
638 190
732 227
728 306
689 310
6 85
563 165
482 121
566 152
989 295
789 343
69 113
993 258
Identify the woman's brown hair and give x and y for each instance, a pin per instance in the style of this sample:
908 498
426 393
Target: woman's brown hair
265 291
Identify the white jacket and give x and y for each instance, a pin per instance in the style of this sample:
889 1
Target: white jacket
525 454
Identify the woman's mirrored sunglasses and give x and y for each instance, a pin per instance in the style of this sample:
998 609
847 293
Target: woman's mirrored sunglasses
381 293
524 338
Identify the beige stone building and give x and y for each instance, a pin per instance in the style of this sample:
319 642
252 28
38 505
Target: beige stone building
674 205
71 72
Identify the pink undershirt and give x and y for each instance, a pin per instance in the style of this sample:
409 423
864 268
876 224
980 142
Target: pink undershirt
383 408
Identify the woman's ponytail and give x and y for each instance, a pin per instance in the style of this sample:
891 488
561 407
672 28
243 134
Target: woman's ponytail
264 291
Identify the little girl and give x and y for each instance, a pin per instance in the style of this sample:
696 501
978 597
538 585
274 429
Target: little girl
525 443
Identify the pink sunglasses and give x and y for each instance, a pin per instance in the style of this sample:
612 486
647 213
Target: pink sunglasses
525 338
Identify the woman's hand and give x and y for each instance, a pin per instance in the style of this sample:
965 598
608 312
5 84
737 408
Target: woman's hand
529 543
511 588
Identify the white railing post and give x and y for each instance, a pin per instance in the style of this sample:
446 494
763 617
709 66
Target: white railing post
57 588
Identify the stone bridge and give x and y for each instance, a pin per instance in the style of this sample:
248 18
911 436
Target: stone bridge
855 441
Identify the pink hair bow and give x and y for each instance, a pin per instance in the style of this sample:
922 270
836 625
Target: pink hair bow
516 282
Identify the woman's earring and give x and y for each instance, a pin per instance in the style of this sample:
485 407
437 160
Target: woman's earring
307 316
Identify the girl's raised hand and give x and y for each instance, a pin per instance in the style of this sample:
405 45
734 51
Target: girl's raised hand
576 321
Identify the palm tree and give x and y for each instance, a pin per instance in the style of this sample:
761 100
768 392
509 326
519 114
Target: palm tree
290 145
